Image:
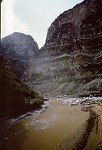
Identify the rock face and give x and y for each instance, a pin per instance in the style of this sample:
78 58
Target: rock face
17 53
20 44
70 62
71 59
20 50
77 30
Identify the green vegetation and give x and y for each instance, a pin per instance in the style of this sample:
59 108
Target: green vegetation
38 100
15 97
100 101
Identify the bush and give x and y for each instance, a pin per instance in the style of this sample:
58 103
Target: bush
99 100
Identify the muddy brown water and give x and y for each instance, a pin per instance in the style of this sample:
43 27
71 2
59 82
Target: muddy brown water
42 131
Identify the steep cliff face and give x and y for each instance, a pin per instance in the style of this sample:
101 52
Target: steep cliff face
71 59
77 30
19 50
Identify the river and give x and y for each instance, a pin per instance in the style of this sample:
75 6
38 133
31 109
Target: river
42 129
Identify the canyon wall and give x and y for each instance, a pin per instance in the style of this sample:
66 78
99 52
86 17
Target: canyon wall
72 54
70 62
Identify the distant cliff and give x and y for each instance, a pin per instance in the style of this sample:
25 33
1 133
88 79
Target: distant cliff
19 50
19 44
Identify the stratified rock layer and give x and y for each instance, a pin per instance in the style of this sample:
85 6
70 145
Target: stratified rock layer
77 30
71 59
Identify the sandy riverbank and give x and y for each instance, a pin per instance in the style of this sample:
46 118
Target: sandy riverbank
88 136
94 141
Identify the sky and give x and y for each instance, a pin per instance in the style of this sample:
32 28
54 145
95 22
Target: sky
32 17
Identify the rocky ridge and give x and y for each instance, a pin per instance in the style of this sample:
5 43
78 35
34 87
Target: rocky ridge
19 50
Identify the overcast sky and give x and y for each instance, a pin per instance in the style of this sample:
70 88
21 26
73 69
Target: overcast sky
32 16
